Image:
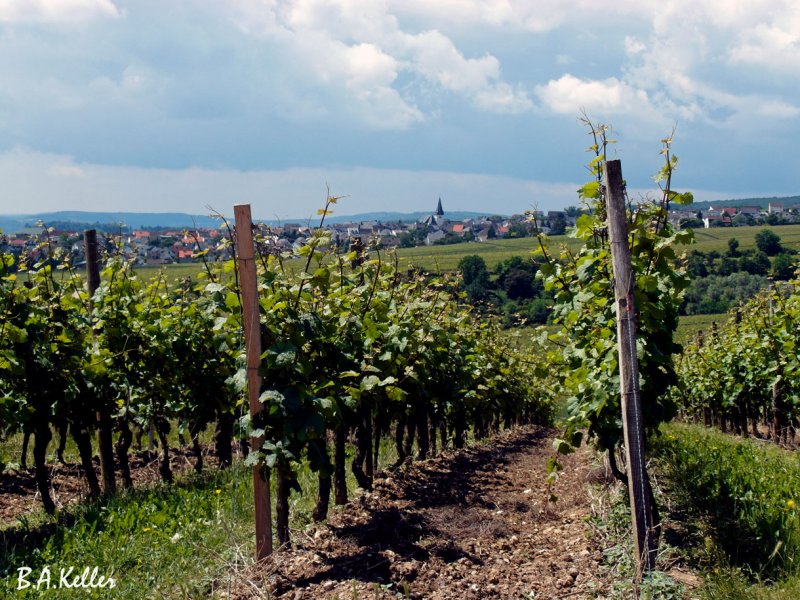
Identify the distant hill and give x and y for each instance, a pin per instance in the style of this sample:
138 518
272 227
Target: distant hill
762 202
81 219
393 217
111 220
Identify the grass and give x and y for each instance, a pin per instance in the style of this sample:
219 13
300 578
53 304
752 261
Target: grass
610 524
148 540
446 258
186 540
742 497
717 237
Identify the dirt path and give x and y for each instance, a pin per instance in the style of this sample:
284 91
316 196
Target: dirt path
471 524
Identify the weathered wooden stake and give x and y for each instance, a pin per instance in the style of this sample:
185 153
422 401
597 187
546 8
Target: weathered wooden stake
252 337
645 540
105 439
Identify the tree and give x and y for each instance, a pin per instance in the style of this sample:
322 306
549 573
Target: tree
476 277
538 311
727 266
757 265
558 225
696 264
690 224
518 230
768 242
473 268
733 247
519 285
783 267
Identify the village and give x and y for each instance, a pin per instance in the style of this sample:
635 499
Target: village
157 246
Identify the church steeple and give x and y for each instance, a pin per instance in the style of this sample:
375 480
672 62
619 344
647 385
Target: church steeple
439 210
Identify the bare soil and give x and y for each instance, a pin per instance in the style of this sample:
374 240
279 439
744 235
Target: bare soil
471 524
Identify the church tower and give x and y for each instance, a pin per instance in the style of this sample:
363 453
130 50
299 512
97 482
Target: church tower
439 215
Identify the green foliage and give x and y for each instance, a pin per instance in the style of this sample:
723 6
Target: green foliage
342 342
750 367
475 275
719 294
748 491
769 242
473 269
585 309
783 266
147 540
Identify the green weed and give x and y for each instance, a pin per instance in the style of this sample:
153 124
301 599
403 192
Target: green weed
748 492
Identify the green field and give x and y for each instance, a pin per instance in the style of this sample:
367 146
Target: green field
445 258
717 238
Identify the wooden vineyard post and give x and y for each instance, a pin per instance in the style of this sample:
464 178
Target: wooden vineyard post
104 426
252 337
632 424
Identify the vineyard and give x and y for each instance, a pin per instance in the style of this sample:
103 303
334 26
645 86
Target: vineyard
743 376
351 347
386 375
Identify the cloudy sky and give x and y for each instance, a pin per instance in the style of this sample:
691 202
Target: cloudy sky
172 105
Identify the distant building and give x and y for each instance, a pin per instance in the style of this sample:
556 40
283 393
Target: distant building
753 211
434 236
435 220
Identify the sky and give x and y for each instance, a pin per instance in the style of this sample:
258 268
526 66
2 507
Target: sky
178 105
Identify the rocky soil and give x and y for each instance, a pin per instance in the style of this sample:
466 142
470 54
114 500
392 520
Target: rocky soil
470 524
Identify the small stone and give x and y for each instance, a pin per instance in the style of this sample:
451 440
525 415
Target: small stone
565 582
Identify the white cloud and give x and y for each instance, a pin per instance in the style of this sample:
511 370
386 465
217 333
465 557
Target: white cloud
570 95
773 46
437 59
777 109
633 46
524 15
361 43
56 10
